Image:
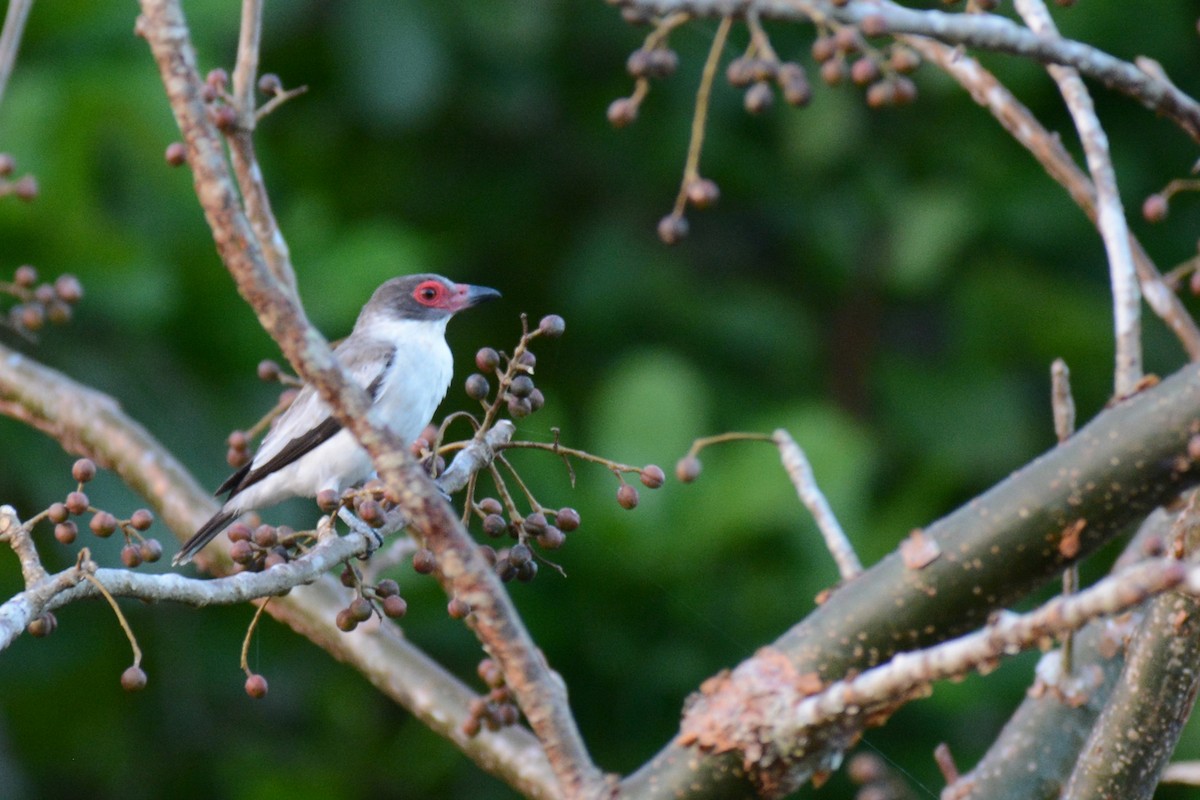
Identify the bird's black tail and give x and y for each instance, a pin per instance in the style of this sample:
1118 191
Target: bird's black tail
208 531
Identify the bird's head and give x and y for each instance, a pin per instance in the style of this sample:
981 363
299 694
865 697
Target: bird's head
425 297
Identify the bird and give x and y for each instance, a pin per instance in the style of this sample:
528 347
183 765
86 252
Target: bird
397 351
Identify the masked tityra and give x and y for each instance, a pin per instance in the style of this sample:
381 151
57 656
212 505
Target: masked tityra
398 352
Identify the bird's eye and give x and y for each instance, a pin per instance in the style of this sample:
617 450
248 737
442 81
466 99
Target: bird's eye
429 293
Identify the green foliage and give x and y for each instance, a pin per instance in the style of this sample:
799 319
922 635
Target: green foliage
890 287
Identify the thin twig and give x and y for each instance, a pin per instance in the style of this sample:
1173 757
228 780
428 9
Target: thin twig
1110 212
691 167
10 38
90 578
245 662
800 471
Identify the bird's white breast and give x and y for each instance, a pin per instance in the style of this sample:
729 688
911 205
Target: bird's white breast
417 379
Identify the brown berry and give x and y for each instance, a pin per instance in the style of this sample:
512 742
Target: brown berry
638 63
328 500
487 359
256 686
567 519
846 40
552 326
345 621
57 512
141 519
905 90
672 228
224 117
621 112
652 476
133 679
740 72
490 505
395 606
26 188
265 536
77 502
7 165
269 83
627 496
360 608
65 532
131 556
881 94
662 63
904 59
527 571
25 275
521 386
793 83
552 538
519 407
103 524
758 98
176 154
83 470
536 400
151 550
424 561
873 25
42 626
864 70
242 552
833 72
217 78
239 532
494 525
269 371
458 608
703 193
1154 209
477 386
687 469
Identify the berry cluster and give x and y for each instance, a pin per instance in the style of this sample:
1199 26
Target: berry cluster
39 302
382 599
222 108
494 710
137 549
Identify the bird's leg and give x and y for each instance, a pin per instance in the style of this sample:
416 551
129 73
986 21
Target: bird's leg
374 538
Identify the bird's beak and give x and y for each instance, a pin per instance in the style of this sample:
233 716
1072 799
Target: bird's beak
466 295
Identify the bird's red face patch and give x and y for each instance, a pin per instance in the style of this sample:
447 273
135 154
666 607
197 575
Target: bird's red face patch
434 294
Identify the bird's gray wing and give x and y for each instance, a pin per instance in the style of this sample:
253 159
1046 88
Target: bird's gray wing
307 424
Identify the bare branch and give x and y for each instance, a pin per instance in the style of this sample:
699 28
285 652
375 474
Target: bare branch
10 38
1110 214
800 471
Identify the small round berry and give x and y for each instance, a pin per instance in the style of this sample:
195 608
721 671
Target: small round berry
687 469
740 72
535 523
505 569
256 686
360 608
627 496
662 63
395 607
519 407
265 536
1154 209
57 512
387 588
471 727
328 500
141 519
494 525
458 608
274 559
536 400
519 554
242 552
345 621
269 370
151 550
133 679
881 94
25 275
487 359
77 502
58 312
758 98
31 317
652 476
833 72
42 626
224 117
65 532
103 524
904 60
7 165
176 154
521 386
348 578
489 554
846 40
527 359
424 561
552 326
552 538
371 513
703 193
83 470
672 228
477 386
622 112
905 91
44 294
26 189
131 556
567 519
823 49
864 71
237 458
638 63
68 288
217 78
490 505
527 571
489 672
269 83
873 25
239 532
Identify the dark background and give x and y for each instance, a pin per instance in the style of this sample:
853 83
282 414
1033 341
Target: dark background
890 286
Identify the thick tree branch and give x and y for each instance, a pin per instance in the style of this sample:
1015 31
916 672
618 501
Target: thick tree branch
993 550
